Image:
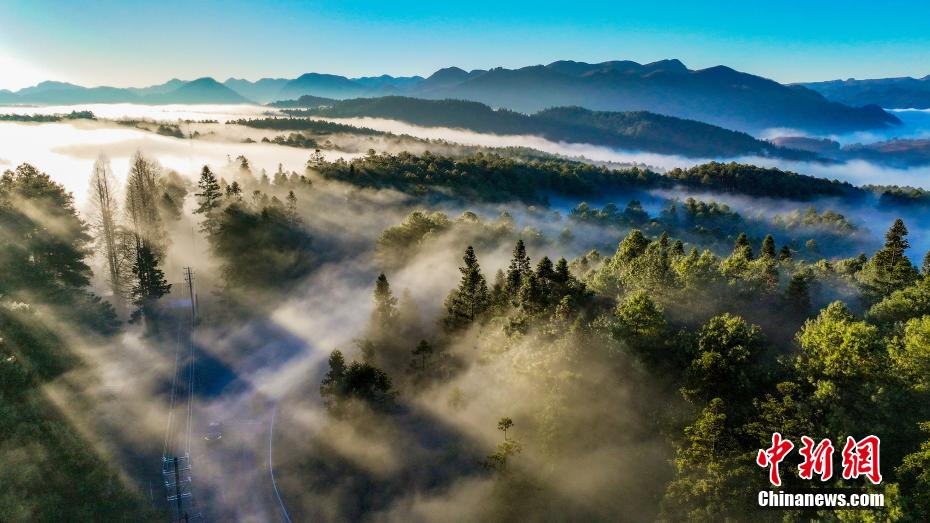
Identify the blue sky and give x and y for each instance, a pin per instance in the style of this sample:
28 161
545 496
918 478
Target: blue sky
129 43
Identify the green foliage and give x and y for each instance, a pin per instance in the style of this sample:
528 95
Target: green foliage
43 249
149 283
385 311
261 249
889 269
714 478
915 472
208 200
726 362
902 305
910 353
471 299
344 387
761 181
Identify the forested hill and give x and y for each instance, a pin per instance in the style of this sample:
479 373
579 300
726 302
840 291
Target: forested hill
637 131
488 177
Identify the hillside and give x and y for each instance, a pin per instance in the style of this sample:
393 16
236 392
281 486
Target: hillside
305 101
200 91
638 131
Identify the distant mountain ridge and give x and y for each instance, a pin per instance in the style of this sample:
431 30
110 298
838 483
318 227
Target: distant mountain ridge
891 93
636 131
200 91
717 95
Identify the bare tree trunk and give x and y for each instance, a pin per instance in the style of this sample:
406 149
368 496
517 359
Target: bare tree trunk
103 197
142 203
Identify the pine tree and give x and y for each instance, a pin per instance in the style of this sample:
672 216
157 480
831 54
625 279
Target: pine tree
785 253
532 294
292 206
471 298
768 247
797 295
562 274
895 245
742 248
518 270
889 269
149 285
421 362
331 389
925 269
234 191
208 199
382 318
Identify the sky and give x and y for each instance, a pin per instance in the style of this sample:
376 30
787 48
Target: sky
133 43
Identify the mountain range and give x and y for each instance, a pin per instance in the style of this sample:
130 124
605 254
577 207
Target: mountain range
892 93
717 95
201 91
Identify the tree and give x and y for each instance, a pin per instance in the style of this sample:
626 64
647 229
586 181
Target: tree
291 206
532 297
466 303
234 191
208 199
785 253
142 195
925 268
712 475
43 241
505 424
331 387
797 295
889 269
106 209
382 318
641 324
742 248
726 361
359 382
768 247
422 354
149 284
518 270
915 472
843 360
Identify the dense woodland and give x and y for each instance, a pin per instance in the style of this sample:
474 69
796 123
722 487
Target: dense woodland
635 130
626 365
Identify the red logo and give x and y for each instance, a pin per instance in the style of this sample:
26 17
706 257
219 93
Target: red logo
774 455
860 458
817 459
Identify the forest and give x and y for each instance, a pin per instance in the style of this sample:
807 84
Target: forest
515 360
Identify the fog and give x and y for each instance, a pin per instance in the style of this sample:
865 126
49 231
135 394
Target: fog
262 373
67 151
857 172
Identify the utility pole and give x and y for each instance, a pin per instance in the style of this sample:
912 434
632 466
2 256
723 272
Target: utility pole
189 279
